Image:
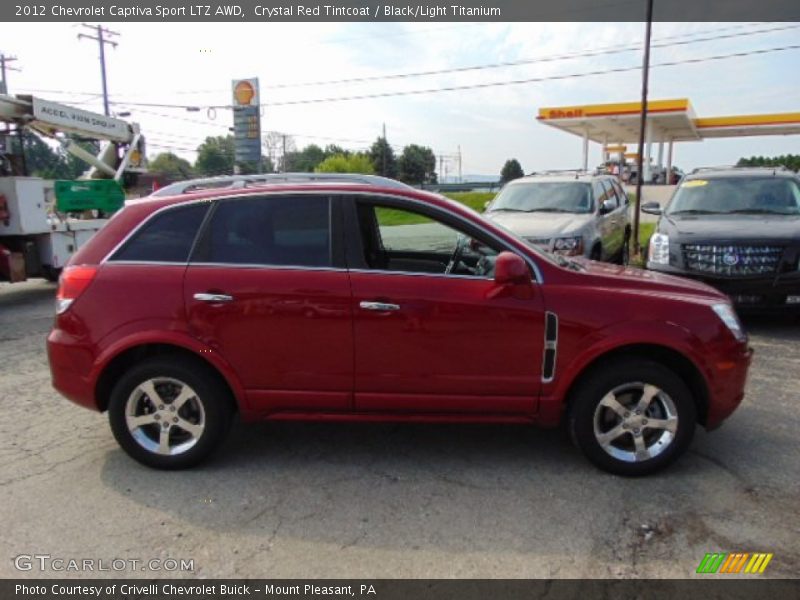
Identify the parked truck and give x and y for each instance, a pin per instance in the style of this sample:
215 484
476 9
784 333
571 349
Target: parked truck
44 222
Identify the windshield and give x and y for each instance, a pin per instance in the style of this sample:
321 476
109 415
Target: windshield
737 195
545 196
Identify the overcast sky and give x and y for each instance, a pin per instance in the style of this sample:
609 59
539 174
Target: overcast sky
194 64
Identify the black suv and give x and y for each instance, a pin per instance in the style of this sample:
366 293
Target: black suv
737 229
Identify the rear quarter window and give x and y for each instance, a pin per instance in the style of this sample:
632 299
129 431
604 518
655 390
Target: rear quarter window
166 237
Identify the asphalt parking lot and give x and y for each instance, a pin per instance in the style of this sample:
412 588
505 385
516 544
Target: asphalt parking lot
339 500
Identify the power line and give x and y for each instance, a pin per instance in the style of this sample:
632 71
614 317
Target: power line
591 52
515 63
102 35
473 86
552 58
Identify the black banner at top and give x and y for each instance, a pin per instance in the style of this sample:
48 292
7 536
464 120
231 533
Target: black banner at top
394 10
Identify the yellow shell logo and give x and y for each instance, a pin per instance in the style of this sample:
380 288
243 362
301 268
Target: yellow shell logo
244 92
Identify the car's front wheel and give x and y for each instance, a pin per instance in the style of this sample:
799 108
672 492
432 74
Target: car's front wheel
169 413
634 417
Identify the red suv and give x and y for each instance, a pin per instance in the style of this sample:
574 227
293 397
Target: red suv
346 301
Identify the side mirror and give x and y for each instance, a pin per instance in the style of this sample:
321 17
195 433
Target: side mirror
651 208
607 206
510 269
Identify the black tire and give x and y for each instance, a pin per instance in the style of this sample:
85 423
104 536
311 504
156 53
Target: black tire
625 253
596 253
210 405
587 418
51 274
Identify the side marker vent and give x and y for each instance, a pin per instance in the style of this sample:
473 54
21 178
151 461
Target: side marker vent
550 346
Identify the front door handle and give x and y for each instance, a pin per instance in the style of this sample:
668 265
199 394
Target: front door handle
379 306
213 298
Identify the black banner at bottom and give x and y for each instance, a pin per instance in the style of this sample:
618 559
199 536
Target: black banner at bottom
389 589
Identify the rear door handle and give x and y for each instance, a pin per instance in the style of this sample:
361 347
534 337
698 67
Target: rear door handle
379 306
213 298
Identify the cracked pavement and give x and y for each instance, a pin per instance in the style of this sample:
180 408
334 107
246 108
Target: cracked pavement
360 500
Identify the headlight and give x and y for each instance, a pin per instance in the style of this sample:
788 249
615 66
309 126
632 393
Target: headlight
659 249
728 316
568 245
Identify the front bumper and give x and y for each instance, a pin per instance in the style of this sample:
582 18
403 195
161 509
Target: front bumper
729 385
779 294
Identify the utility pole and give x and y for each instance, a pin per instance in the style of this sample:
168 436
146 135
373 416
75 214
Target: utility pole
642 126
102 39
4 60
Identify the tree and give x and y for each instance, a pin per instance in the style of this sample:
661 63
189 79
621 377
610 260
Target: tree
511 170
334 149
347 163
41 160
268 165
215 156
790 161
383 158
417 165
172 166
305 160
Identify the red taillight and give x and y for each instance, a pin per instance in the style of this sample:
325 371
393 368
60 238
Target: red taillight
71 284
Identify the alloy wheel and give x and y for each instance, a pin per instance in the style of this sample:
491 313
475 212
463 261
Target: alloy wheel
165 416
635 422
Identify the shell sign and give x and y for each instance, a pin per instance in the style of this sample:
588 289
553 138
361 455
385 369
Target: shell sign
245 92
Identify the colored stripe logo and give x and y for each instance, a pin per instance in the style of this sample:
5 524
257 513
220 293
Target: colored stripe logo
734 562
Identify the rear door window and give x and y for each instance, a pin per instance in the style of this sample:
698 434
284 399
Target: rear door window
272 231
166 237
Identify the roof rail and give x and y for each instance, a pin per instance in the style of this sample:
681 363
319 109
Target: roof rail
576 172
241 181
558 171
723 167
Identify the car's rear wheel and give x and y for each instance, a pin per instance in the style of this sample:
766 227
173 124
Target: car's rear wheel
169 413
634 417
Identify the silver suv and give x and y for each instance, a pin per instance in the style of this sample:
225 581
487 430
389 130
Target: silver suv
571 213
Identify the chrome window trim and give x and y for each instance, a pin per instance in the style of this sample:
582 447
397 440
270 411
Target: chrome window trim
149 262
220 265
421 274
298 268
538 278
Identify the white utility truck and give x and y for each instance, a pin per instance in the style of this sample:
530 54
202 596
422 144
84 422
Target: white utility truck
43 222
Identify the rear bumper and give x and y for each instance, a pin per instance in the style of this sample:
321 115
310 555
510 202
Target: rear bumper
729 384
750 295
70 366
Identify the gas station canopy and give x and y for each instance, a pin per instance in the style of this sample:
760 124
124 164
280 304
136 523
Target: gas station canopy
668 121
